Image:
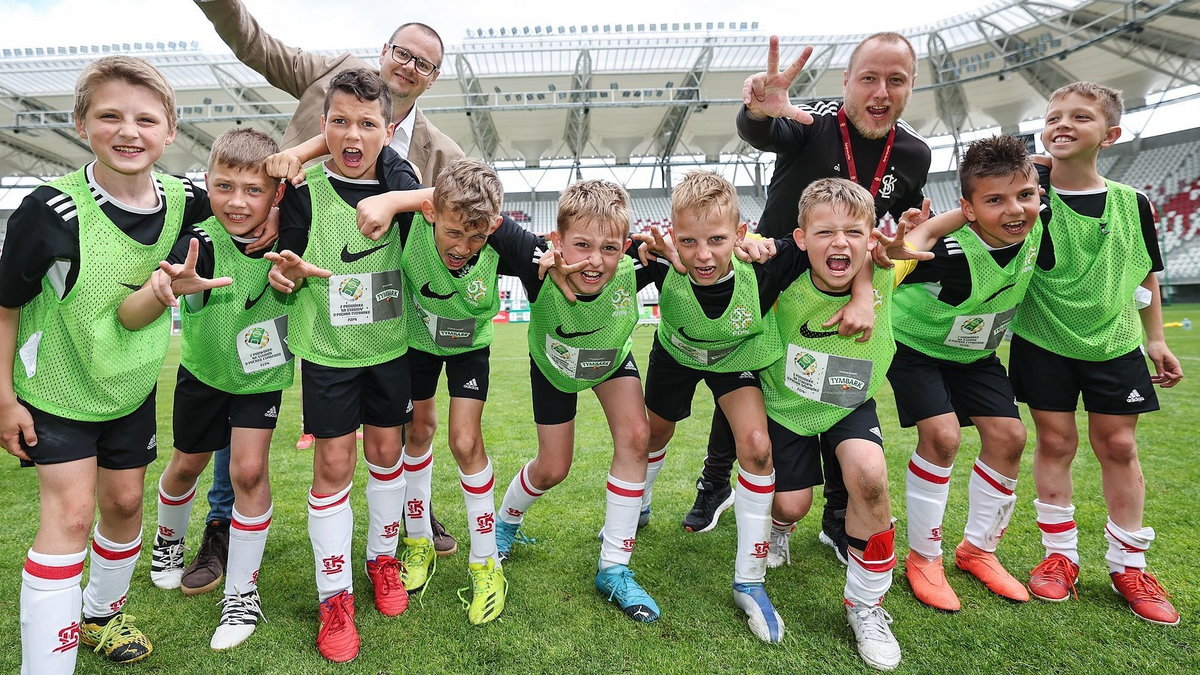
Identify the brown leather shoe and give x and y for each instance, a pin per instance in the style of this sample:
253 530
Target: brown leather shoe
443 543
207 570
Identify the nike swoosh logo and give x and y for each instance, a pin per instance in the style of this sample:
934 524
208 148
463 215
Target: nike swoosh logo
430 293
807 332
567 336
689 338
348 257
1002 289
132 287
250 303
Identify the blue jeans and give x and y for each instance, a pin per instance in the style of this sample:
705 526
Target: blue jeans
220 495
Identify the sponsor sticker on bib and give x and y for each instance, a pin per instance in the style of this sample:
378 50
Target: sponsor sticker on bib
981 332
703 357
579 364
363 298
836 380
447 333
263 345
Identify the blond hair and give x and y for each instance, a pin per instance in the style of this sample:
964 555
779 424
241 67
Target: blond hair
130 70
1112 104
842 195
469 187
245 149
706 193
602 202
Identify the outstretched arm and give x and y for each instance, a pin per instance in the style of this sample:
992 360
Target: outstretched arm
766 94
290 270
288 68
166 284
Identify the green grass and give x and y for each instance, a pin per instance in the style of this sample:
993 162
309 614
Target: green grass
556 621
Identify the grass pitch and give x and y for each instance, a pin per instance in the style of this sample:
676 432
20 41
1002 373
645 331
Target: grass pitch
555 621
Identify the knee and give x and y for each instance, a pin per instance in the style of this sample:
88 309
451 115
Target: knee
1118 448
247 476
552 474
467 446
1010 441
1057 442
421 430
792 506
634 437
869 480
754 451
124 507
943 443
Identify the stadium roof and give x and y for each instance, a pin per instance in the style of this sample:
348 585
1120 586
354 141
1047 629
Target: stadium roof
611 94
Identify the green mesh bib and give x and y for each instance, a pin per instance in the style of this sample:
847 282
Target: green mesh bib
577 346
237 342
347 320
74 358
972 330
1083 308
740 339
447 314
822 375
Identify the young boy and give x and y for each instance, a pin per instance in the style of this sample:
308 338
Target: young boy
717 327
347 324
950 314
452 296
586 345
821 394
77 388
234 365
1077 331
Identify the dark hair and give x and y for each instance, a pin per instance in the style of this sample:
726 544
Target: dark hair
363 84
1001 155
428 31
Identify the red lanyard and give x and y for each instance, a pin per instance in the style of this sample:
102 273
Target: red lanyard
883 160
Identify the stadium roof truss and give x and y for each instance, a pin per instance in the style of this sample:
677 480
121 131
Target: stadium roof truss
657 96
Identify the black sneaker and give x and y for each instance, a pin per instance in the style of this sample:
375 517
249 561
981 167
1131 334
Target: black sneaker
833 532
711 501
207 570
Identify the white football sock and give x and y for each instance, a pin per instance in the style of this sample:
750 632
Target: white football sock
869 577
330 526
386 488
1059 534
654 464
479 497
927 487
173 513
991 502
418 473
1126 549
752 499
247 539
519 497
624 500
109 575
51 600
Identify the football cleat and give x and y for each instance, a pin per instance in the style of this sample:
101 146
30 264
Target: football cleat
617 584
418 562
240 615
1054 578
337 636
390 597
711 501
118 639
1146 597
876 644
488 592
764 621
166 563
508 534
928 581
986 567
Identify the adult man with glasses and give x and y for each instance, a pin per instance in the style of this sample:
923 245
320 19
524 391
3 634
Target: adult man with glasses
409 63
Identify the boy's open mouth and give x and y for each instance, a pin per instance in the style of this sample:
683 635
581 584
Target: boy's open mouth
352 157
128 149
705 271
591 276
1014 227
838 263
455 261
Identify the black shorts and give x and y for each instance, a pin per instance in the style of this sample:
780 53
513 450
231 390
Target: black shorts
927 387
339 400
797 458
129 442
670 385
553 406
466 374
203 416
1047 381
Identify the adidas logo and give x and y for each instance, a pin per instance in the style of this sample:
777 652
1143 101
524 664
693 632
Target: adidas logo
153 442
273 412
472 384
630 366
410 407
746 375
1134 397
877 432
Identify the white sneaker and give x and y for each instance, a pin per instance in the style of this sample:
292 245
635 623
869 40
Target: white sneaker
764 622
166 563
876 644
239 618
780 553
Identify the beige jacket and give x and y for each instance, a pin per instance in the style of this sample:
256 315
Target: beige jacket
306 76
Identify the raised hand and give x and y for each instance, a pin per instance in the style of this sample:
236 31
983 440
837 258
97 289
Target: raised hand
171 281
374 215
766 94
755 250
290 269
266 233
660 246
287 166
553 263
886 249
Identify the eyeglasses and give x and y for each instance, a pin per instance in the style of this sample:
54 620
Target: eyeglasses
402 56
